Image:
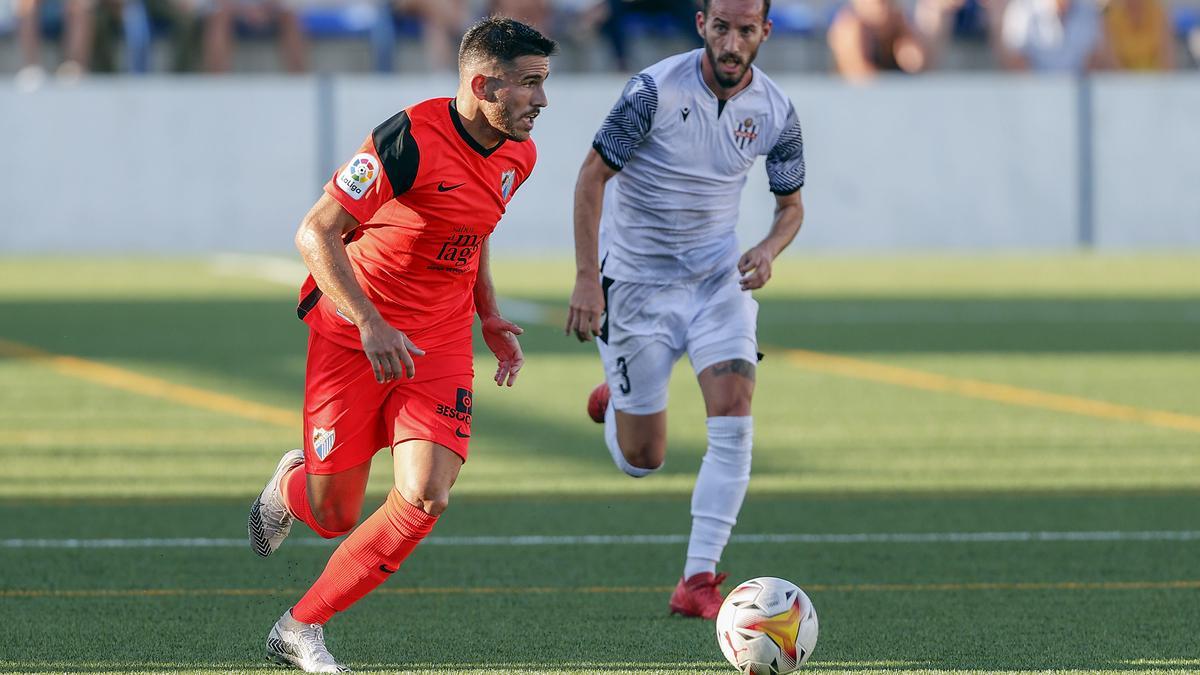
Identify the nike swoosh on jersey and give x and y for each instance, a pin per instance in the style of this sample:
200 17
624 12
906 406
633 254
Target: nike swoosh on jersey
442 187
384 568
458 432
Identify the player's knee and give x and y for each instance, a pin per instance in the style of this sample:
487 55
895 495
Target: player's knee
433 502
734 406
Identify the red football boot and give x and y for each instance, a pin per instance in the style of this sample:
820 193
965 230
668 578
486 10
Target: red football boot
598 402
699 595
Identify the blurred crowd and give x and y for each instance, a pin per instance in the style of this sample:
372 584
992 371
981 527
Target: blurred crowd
864 37
867 37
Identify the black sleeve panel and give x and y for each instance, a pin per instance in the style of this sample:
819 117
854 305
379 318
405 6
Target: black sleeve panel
398 152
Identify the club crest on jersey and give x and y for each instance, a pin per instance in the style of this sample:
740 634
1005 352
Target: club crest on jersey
322 442
358 175
745 133
507 178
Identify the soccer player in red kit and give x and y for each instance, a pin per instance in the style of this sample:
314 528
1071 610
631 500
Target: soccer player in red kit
397 250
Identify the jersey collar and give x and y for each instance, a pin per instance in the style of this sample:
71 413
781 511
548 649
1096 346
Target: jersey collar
467 138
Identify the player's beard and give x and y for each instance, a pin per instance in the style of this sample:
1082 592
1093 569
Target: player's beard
511 123
715 61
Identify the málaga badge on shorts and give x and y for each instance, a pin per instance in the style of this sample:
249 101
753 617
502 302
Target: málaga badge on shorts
322 442
507 178
745 133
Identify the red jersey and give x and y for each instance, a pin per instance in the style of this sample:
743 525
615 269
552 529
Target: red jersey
427 196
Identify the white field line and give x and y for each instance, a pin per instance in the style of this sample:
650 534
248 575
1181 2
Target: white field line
291 272
1063 313
283 271
648 539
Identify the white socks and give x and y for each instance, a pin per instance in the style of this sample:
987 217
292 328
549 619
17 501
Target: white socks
614 449
720 488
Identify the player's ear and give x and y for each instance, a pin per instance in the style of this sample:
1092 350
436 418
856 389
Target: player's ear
483 87
700 24
767 26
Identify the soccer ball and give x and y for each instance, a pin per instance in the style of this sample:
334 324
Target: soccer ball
767 626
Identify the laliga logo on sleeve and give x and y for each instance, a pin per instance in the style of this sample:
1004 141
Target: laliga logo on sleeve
358 175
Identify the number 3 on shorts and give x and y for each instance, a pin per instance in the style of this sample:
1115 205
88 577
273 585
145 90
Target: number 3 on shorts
624 368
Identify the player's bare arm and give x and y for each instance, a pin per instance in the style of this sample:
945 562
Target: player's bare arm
587 300
755 264
320 242
499 333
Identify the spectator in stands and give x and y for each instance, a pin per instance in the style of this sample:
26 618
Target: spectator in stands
1053 36
256 15
180 19
536 13
680 15
78 30
936 20
1140 34
872 36
442 26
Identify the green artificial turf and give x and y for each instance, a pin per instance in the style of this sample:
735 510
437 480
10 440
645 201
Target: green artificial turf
85 458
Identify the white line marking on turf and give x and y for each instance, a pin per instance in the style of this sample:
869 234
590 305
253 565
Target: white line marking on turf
284 271
291 272
650 539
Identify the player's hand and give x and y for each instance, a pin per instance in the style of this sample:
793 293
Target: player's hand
587 305
389 351
755 267
501 337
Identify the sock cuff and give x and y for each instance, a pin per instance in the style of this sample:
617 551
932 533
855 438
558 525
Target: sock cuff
635 471
410 520
322 531
292 487
738 430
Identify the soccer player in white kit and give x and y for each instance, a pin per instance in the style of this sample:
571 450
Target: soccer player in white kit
658 271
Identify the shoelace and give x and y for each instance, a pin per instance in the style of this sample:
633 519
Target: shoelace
313 638
285 516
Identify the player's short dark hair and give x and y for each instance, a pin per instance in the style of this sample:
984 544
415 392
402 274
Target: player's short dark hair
503 39
766 8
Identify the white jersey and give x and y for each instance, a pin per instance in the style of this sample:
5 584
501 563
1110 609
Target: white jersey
682 157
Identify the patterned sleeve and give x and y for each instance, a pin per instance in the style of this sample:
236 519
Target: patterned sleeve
785 162
628 122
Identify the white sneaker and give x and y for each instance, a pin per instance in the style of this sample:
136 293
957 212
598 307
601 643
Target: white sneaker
270 521
291 643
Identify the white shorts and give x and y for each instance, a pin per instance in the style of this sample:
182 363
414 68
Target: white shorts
648 327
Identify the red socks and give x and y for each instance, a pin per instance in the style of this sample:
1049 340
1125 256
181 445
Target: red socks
294 486
371 554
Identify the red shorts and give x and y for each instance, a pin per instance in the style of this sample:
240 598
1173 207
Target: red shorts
348 416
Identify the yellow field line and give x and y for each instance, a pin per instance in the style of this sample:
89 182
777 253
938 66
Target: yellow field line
989 391
127 380
1188 584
